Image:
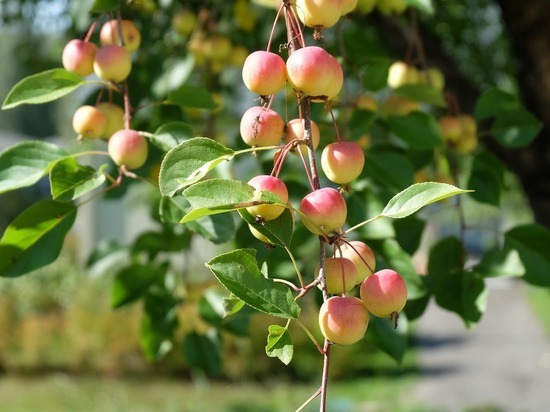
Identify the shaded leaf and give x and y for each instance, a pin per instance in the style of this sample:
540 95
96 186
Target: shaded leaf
133 281
494 101
35 237
423 93
103 6
279 231
398 177
515 128
192 96
25 163
203 352
393 341
238 271
531 242
169 135
499 262
419 130
486 178
42 88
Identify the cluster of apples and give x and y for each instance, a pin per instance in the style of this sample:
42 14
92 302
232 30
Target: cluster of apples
402 74
315 74
111 62
459 132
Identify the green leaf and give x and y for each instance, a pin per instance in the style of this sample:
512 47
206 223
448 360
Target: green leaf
104 6
70 180
408 232
211 309
419 130
364 205
515 128
375 76
501 263
531 242
203 352
486 178
171 134
25 163
494 101
383 334
238 271
279 344
42 88
232 305
417 196
192 96
423 5
454 288
35 237
360 123
279 231
423 93
132 282
398 176
400 261
222 195
189 162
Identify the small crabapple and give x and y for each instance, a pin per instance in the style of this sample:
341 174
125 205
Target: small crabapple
324 211
319 13
114 115
400 74
184 21
450 128
343 319
384 293
340 275
362 257
310 70
78 57
110 34
295 130
348 6
270 184
89 122
264 72
128 148
342 162
112 63
261 127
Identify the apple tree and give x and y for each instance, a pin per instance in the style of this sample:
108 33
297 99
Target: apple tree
312 141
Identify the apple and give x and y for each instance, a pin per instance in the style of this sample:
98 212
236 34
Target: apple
110 34
362 257
343 319
183 22
310 70
319 13
396 105
450 128
264 72
261 127
401 74
78 57
336 83
217 48
467 143
114 115
295 130
89 122
384 293
342 162
323 211
348 6
366 102
433 77
271 184
128 148
112 63
340 275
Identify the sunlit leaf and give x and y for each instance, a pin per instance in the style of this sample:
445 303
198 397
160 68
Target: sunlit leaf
70 180
238 271
279 344
42 87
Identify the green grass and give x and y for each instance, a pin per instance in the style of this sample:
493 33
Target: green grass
63 393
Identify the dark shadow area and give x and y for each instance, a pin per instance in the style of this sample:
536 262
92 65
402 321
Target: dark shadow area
428 341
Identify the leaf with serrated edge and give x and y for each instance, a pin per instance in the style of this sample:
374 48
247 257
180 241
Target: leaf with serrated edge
417 196
42 88
279 344
189 162
238 271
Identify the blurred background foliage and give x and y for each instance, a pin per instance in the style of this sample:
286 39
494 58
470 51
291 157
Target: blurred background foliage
60 318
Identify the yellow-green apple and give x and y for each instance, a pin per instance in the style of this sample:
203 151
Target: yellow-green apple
128 148
295 130
112 63
362 257
267 183
110 34
340 275
114 115
343 319
342 162
89 122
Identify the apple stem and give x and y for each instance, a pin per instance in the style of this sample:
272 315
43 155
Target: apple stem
273 27
127 106
357 253
329 108
90 31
